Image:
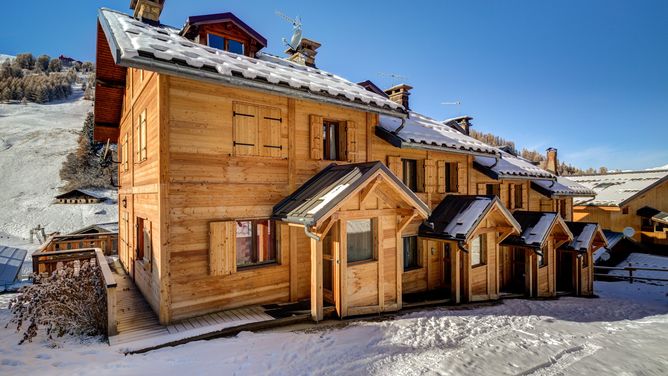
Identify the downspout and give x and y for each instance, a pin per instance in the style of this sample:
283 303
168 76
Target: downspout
460 245
401 126
310 234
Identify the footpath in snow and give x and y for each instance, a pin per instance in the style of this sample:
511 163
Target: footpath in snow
622 332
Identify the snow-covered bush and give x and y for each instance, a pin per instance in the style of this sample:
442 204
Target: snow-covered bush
70 301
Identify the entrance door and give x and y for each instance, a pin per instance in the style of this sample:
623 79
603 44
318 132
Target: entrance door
565 275
329 286
518 270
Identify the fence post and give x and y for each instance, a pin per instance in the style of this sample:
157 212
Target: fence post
630 273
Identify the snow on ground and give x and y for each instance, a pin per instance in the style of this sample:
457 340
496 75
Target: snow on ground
623 332
34 140
644 260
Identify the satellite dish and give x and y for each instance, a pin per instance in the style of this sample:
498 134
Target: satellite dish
605 256
628 232
296 38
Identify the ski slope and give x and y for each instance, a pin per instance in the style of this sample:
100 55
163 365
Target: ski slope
34 140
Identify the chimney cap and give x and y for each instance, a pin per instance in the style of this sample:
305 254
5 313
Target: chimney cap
399 88
551 149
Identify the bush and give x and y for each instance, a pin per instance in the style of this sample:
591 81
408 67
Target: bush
70 301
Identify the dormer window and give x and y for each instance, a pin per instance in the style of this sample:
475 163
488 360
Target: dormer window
225 44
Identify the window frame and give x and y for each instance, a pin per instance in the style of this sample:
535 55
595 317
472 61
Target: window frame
413 183
518 188
143 249
141 137
125 154
493 187
340 140
418 263
374 252
483 250
226 43
254 246
451 173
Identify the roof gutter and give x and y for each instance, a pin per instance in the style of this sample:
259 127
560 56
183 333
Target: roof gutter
311 234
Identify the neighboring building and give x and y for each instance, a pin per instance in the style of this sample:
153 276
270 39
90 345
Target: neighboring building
636 199
78 196
249 179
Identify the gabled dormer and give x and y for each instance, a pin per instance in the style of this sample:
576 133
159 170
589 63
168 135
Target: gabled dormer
224 31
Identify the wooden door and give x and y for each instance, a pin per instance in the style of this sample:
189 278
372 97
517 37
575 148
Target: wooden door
518 270
565 271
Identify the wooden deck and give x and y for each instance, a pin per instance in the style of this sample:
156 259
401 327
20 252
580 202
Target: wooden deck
138 326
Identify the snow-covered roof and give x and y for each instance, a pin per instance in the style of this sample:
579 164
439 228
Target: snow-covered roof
618 188
423 132
161 48
509 167
561 187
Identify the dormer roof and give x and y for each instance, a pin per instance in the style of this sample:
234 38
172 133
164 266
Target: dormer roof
194 22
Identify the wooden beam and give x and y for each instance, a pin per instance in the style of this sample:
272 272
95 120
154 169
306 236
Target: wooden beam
324 229
381 259
343 262
505 234
370 188
294 280
407 219
316 280
361 214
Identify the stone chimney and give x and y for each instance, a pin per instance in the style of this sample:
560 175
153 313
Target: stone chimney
399 94
147 10
305 54
552 164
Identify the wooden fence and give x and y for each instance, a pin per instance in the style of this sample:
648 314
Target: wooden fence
106 241
47 262
630 269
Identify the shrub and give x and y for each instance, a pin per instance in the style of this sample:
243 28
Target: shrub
69 301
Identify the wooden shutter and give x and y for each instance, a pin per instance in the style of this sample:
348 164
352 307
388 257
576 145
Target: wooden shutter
482 188
429 175
137 140
271 130
440 176
124 152
316 137
461 178
351 141
245 119
148 245
143 135
394 164
222 248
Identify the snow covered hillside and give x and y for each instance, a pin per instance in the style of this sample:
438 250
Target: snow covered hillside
5 57
623 332
34 140
664 167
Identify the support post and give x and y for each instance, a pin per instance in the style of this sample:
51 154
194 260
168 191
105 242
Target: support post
316 280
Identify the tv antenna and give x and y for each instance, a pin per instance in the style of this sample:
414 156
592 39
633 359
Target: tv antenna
296 38
394 78
454 103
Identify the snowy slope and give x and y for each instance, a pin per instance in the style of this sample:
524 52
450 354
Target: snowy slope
34 140
664 167
5 57
622 333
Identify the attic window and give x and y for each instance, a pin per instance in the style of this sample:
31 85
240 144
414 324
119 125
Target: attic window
225 44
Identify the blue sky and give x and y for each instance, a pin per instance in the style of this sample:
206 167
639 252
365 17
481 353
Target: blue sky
588 77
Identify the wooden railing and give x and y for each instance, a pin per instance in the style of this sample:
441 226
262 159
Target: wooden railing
631 270
46 262
106 241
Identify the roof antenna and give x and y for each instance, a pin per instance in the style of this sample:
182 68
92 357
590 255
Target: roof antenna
394 78
455 103
296 39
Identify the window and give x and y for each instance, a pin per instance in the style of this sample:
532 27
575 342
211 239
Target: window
542 258
360 240
143 245
493 190
519 203
451 177
625 210
411 254
256 242
225 44
333 141
409 171
124 153
563 208
140 137
478 248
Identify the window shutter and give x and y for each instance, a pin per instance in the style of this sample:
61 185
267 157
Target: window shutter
143 136
316 137
482 188
245 119
222 248
429 176
511 197
138 142
394 164
504 195
148 246
351 136
440 176
461 178
271 124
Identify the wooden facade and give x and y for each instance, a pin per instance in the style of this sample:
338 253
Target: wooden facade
203 166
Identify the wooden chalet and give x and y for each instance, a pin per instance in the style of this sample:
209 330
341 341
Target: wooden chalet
575 266
250 179
636 199
77 196
528 261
